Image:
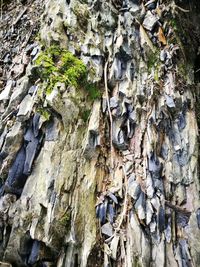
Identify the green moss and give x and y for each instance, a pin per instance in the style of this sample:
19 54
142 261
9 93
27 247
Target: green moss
59 65
152 59
44 113
136 262
156 75
93 91
85 115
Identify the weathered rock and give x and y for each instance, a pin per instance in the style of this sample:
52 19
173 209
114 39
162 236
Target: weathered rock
92 139
134 188
63 105
16 178
4 95
18 94
149 21
25 107
149 219
106 229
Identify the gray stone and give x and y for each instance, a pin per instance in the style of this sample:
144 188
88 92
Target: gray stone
92 139
170 102
4 95
114 102
198 217
163 55
107 229
140 206
150 21
13 139
134 188
18 94
63 105
26 107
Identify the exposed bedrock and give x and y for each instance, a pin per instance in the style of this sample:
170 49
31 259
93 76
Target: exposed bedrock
99 138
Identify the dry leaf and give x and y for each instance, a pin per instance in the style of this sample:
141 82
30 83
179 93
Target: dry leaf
161 36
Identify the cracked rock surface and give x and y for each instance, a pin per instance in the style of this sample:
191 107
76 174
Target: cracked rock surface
109 180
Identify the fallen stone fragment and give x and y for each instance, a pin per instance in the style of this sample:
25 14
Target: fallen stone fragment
149 212
168 231
118 136
155 167
184 252
181 122
102 210
32 89
182 219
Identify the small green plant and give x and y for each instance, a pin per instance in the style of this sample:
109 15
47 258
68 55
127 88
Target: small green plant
93 91
44 113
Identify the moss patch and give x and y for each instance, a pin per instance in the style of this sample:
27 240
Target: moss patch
44 112
59 65
152 59
85 115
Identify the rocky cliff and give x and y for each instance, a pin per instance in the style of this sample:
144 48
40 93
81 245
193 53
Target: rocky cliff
99 133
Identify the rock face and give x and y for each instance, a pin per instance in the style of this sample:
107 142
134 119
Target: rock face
103 172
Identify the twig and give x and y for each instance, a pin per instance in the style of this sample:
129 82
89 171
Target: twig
109 111
182 9
197 70
174 6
